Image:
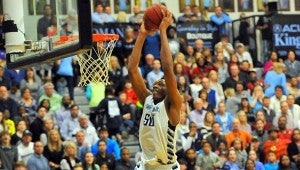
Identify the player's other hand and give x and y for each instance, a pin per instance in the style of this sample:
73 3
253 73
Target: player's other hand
166 21
144 31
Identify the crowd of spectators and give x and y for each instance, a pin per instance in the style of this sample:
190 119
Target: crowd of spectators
232 116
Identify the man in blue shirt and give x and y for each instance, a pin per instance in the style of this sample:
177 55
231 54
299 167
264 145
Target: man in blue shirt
37 161
112 145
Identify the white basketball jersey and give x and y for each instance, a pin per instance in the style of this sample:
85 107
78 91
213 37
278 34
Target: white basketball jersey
156 136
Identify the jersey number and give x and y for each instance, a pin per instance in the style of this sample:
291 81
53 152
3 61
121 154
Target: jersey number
149 120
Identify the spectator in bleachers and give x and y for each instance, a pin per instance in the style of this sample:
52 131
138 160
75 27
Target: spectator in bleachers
234 77
216 85
292 65
253 157
25 148
89 130
189 56
294 108
216 137
7 103
245 107
36 127
125 163
206 129
256 101
292 148
267 110
293 87
82 147
4 80
219 19
155 74
286 163
260 115
173 40
38 160
260 133
284 133
206 105
203 67
28 102
198 46
236 132
192 139
148 66
277 99
45 22
127 45
109 18
99 16
70 156
264 24
244 34
232 101
180 58
103 157
182 128
20 166
54 98
9 124
190 158
224 118
47 126
137 17
129 115
179 72
243 54
70 123
196 86
54 149
65 73
245 70
208 159
284 111
50 114
152 45
115 74
17 137
183 87
274 144
187 15
231 162
241 153
270 63
89 162
273 78
64 111
31 81
212 96
241 115
196 15
222 67
225 47
8 152
112 147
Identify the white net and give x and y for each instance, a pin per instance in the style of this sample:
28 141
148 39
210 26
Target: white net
94 63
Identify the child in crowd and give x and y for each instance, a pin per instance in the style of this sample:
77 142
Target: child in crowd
240 152
272 163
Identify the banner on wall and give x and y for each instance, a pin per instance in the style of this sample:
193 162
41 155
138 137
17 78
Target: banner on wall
191 31
286 29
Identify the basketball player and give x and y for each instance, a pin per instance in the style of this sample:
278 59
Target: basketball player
162 106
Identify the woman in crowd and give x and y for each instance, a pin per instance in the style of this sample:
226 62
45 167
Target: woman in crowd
70 156
32 82
178 71
256 99
54 149
245 107
48 126
234 60
115 74
28 102
89 162
292 148
250 165
242 117
17 137
206 105
260 115
253 157
180 59
50 115
222 68
285 163
269 64
231 162
216 85
183 87
209 119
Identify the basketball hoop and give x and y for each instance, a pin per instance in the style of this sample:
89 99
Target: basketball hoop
94 63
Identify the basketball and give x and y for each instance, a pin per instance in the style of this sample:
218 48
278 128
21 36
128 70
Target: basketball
153 16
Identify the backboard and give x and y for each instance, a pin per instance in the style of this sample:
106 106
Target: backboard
33 28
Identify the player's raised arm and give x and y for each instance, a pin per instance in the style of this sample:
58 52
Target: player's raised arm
135 76
173 99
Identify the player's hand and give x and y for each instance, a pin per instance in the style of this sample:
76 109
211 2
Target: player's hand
166 21
144 31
